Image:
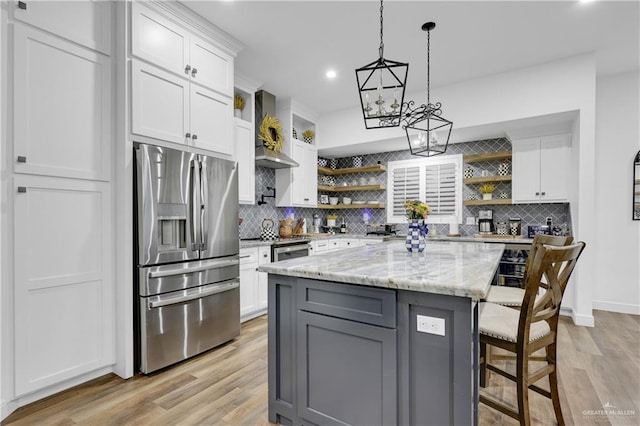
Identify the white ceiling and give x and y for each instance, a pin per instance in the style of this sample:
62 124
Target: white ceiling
289 45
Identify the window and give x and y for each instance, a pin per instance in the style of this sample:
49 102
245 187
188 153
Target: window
436 181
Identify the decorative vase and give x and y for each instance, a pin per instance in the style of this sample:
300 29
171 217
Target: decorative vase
308 139
357 161
238 113
468 173
487 196
415 241
333 163
503 168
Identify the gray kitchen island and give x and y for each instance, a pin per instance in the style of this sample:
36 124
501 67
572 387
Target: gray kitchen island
375 335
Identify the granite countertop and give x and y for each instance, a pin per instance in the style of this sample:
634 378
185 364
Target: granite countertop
454 268
471 238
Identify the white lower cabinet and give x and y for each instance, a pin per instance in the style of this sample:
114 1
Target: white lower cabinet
63 286
332 244
253 284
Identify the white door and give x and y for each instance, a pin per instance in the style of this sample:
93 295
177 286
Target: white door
64 322
555 168
248 281
62 107
85 22
211 67
526 171
159 40
211 120
245 155
264 257
159 103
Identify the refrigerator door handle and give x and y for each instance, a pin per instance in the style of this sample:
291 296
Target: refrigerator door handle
204 266
204 202
194 293
193 215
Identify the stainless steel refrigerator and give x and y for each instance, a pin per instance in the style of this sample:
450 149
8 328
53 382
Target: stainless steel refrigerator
186 244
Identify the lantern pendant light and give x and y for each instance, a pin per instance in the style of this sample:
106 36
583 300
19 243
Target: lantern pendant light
381 85
424 123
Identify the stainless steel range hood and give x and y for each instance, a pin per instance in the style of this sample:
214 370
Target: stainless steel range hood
265 157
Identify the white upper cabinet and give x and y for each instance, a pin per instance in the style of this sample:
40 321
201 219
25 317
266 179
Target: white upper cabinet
84 22
166 44
182 90
62 107
246 157
541 169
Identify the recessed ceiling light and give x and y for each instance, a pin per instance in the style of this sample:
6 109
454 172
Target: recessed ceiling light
586 1
331 74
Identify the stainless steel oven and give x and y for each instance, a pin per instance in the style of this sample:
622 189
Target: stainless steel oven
284 250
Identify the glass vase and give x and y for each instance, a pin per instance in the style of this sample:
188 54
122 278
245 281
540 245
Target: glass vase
415 241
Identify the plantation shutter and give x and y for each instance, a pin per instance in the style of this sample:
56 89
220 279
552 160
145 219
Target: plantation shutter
405 183
440 188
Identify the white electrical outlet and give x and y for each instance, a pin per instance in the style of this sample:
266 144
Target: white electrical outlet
431 325
471 220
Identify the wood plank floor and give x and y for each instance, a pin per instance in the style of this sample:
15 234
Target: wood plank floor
228 385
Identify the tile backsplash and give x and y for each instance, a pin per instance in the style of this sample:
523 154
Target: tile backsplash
531 214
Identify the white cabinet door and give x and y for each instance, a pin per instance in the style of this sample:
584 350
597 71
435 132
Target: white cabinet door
264 257
303 178
211 67
159 40
541 169
63 289
319 246
555 168
245 156
211 116
62 107
249 298
84 22
526 170
159 103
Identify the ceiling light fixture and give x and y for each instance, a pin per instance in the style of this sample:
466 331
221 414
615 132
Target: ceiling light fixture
421 123
381 87
331 74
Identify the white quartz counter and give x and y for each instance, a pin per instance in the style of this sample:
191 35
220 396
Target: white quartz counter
454 268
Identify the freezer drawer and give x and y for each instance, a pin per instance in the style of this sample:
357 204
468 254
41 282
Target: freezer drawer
177 325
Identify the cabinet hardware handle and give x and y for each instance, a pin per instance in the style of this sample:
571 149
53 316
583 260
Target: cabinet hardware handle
194 137
543 193
306 199
22 189
187 69
245 256
22 5
194 71
264 255
537 193
22 159
256 269
188 135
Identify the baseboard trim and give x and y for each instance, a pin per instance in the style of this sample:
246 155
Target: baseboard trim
10 406
622 308
583 320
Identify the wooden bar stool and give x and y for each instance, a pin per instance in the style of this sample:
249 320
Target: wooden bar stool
529 329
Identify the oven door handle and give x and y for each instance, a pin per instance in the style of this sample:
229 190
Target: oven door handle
196 268
194 293
288 249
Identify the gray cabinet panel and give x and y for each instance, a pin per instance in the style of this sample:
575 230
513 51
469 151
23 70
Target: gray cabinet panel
435 372
370 305
346 371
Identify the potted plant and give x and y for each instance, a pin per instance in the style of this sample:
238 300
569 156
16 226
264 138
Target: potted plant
486 190
416 212
308 136
238 105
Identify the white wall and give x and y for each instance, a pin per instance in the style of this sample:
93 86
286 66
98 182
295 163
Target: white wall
556 87
617 279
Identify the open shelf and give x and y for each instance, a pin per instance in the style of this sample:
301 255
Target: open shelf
335 172
487 179
493 202
326 188
490 156
350 206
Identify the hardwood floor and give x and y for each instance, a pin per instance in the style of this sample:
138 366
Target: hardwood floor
598 367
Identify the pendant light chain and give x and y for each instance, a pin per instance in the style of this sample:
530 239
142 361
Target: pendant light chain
381 49
428 68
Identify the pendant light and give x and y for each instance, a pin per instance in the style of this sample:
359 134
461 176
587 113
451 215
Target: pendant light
423 124
381 87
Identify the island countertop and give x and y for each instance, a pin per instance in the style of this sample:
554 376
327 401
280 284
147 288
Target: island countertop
461 269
